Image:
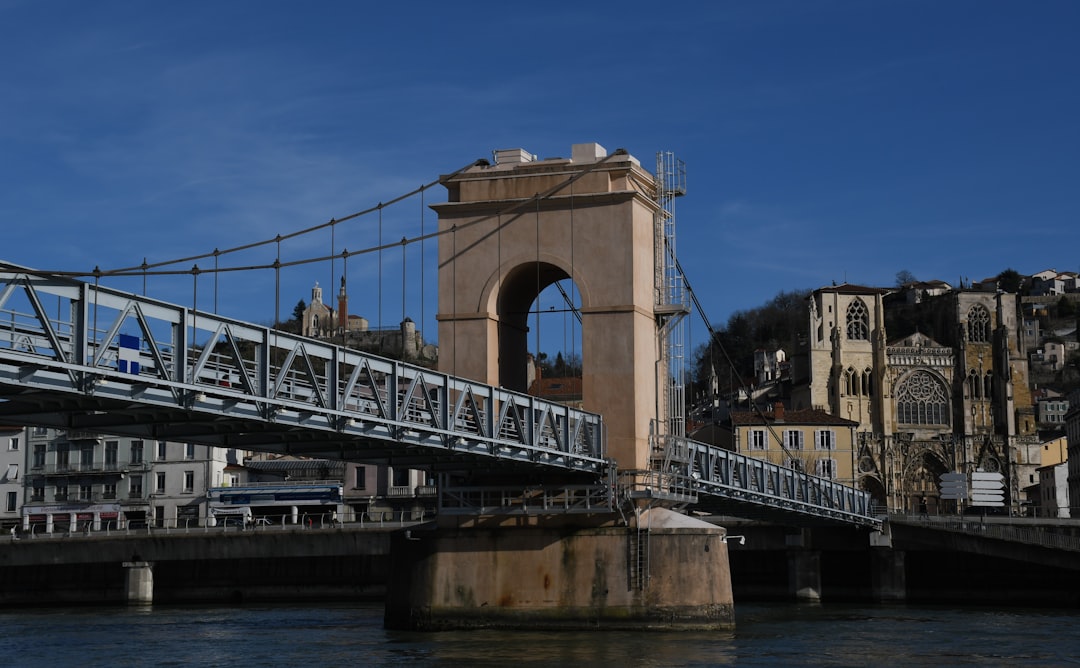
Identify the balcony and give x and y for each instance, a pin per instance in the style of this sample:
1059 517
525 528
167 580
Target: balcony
73 435
92 468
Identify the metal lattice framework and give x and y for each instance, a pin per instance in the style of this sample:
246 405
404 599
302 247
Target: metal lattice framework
91 359
735 484
82 357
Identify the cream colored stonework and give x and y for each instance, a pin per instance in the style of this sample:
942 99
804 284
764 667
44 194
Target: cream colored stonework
501 247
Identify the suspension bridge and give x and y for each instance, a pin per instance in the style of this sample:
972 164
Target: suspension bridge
82 356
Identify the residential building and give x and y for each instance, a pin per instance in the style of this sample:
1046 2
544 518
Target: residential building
12 468
1050 411
1054 491
1072 436
84 481
808 440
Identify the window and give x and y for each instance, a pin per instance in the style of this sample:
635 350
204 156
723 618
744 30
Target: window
794 464
189 481
135 487
826 468
61 492
858 321
136 452
86 457
63 456
38 493
13 443
361 477
111 448
189 451
921 399
109 491
825 439
793 440
400 477
40 431
12 499
39 456
758 439
978 325
159 483
84 492
161 450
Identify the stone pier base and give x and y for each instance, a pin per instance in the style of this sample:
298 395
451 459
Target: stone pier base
138 582
669 573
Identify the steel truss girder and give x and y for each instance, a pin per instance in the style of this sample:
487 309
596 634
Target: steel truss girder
532 500
746 481
206 378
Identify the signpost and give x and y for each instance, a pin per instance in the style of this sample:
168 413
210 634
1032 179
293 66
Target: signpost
987 489
953 486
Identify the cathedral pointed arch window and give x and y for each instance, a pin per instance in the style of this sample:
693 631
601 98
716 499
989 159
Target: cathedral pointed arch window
849 376
974 385
978 324
868 382
858 321
921 398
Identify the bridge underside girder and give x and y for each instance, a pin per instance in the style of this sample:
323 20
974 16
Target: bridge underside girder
105 416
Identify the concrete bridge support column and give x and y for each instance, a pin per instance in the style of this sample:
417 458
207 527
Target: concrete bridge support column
139 582
804 574
674 575
804 567
888 574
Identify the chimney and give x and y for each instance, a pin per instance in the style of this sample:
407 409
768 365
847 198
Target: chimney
778 411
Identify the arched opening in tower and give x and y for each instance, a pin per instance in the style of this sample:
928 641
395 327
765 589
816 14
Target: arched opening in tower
540 333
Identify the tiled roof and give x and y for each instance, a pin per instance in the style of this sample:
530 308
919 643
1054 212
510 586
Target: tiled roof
807 416
849 289
556 387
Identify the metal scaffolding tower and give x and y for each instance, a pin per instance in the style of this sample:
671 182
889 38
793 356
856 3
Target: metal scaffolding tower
671 293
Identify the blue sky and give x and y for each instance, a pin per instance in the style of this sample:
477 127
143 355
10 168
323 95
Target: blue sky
824 141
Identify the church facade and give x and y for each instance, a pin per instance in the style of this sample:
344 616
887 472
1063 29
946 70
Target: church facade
951 396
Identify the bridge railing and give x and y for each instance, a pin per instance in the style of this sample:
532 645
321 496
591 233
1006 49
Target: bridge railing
975 526
370 519
730 475
91 341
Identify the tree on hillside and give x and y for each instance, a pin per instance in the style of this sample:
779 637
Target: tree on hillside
1010 280
775 325
903 277
1065 307
298 311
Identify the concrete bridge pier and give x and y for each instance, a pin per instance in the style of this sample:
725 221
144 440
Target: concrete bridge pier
889 579
804 567
138 582
670 572
888 570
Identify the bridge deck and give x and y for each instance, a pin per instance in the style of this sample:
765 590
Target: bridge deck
87 358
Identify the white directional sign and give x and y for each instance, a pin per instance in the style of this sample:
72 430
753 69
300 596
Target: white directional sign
953 486
987 489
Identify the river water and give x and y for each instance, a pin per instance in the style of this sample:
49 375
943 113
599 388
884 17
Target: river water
353 635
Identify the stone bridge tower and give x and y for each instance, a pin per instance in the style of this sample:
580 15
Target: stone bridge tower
512 229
